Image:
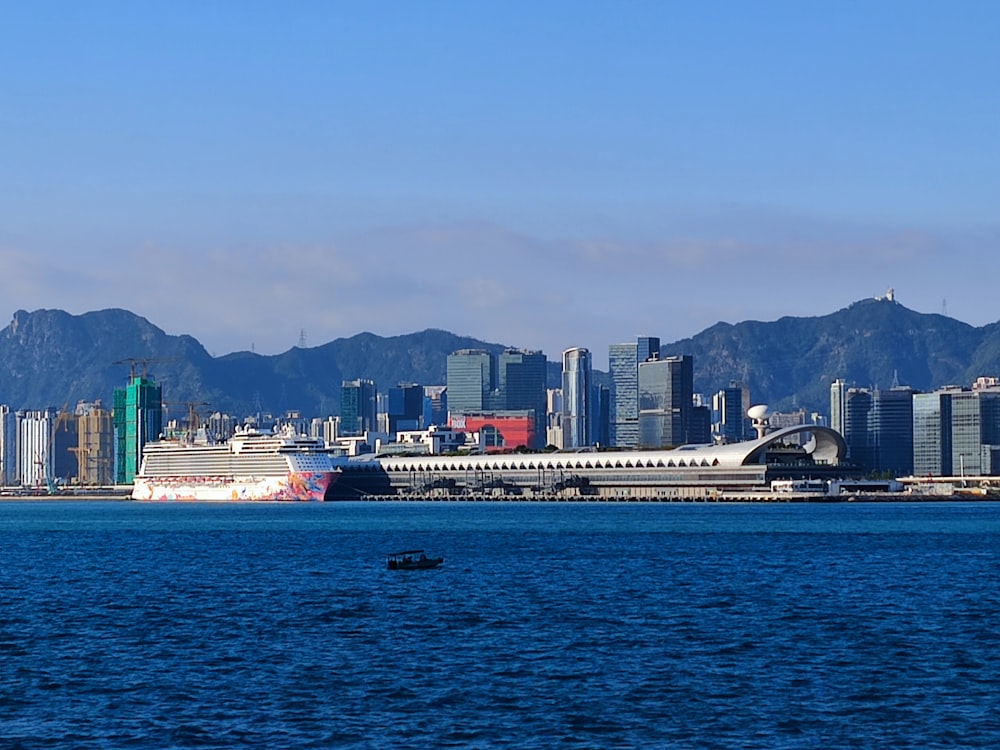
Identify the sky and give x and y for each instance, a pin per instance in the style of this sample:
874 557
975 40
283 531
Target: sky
541 175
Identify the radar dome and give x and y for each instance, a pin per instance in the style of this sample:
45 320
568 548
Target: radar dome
760 411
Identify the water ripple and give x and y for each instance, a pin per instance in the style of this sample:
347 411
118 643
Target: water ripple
192 626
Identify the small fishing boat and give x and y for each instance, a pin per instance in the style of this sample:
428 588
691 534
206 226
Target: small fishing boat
413 559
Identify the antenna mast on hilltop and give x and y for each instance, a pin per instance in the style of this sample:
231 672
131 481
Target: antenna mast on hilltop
944 307
302 338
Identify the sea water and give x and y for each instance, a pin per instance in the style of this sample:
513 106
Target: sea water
126 625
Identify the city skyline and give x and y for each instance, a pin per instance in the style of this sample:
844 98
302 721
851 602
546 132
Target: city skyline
611 170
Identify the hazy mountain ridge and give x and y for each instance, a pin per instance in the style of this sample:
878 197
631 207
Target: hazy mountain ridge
49 357
792 361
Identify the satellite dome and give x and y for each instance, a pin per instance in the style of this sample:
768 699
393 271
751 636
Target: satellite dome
760 411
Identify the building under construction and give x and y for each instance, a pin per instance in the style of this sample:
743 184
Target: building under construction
138 419
95 445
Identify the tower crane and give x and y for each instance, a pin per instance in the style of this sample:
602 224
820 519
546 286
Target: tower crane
134 363
193 414
44 459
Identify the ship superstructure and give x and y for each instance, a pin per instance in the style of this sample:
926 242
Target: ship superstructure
252 465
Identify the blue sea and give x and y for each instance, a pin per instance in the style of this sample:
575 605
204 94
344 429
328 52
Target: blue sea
126 625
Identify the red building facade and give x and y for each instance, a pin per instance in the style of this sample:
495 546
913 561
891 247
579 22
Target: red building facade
498 432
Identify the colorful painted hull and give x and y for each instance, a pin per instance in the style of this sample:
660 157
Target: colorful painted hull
294 487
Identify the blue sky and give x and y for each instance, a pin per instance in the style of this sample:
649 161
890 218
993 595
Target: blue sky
543 175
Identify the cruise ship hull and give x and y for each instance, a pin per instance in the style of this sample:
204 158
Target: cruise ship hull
296 486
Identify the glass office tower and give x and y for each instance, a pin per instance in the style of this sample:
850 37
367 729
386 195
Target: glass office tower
576 390
405 407
521 380
891 426
624 360
471 381
358 406
666 401
932 434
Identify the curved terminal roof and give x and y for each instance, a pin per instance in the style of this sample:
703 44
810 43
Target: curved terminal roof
826 446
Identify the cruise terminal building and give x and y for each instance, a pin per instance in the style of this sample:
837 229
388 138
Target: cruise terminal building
690 472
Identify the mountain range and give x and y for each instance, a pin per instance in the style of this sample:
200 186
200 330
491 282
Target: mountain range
51 358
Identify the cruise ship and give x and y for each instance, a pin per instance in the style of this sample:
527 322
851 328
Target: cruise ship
252 465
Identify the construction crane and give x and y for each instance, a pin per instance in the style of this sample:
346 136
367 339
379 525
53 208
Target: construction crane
193 414
44 458
135 362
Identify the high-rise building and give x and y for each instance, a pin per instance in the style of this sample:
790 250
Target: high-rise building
8 445
576 393
857 412
731 405
647 347
554 414
956 432
666 401
838 404
891 430
700 428
600 415
975 432
358 399
508 384
521 381
35 463
471 381
95 444
331 430
220 427
877 425
624 360
932 434
435 405
138 419
405 407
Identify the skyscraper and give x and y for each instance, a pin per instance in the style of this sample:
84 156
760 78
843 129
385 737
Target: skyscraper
666 401
513 382
435 405
600 408
732 404
975 432
138 419
576 391
624 360
624 413
471 381
8 445
405 407
358 399
857 413
95 448
521 380
932 434
891 427
838 403
35 462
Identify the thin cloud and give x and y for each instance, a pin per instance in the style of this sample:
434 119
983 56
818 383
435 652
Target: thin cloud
506 286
